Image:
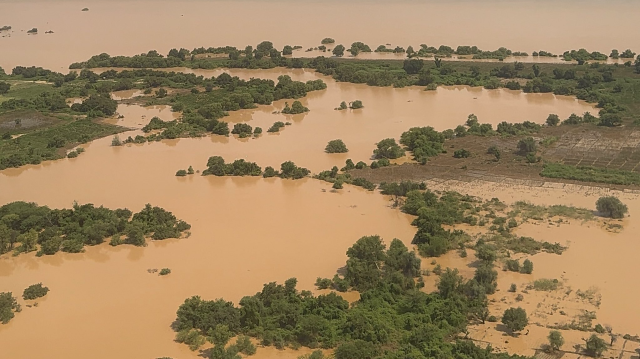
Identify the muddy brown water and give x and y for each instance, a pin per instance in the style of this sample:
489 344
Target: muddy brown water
132 27
246 231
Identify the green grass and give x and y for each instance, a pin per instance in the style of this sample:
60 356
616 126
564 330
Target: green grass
590 174
35 147
546 285
529 210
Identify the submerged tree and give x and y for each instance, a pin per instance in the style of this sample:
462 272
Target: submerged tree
611 207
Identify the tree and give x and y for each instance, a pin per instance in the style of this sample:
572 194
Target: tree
450 283
413 66
355 104
555 340
161 93
327 40
338 51
336 146
536 70
4 87
8 305
595 346
515 319
610 120
611 207
553 120
388 148
527 266
527 145
356 349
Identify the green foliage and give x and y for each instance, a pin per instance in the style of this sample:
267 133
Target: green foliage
611 207
25 226
270 172
527 267
336 146
276 126
595 346
358 47
553 120
35 291
296 108
338 51
43 145
327 40
388 148
354 105
555 340
515 319
165 271
546 285
190 337
424 142
8 305
216 166
181 173
4 87
290 170
461 153
590 174
242 130
527 145
393 316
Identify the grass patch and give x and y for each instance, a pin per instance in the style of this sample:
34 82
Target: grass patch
49 143
529 210
545 285
590 174
516 244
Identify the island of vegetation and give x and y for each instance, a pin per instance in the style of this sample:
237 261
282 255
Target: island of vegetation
35 291
216 166
27 227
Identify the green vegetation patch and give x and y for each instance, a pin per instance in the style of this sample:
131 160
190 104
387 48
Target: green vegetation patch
27 227
49 143
590 174
35 291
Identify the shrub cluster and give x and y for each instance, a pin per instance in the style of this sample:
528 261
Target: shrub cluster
27 227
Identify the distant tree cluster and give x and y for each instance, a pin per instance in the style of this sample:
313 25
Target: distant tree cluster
27 227
216 166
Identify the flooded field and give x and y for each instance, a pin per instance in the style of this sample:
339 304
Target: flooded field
248 231
105 303
189 24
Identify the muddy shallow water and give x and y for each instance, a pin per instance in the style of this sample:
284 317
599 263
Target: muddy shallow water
249 231
132 27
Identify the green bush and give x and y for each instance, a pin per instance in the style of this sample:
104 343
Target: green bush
611 207
336 146
276 126
165 271
181 173
461 153
389 149
35 291
595 346
515 319
355 104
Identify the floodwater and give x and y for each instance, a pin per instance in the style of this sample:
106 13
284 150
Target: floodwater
132 27
597 259
245 231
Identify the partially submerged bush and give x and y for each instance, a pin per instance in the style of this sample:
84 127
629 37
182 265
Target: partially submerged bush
35 291
611 207
336 146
